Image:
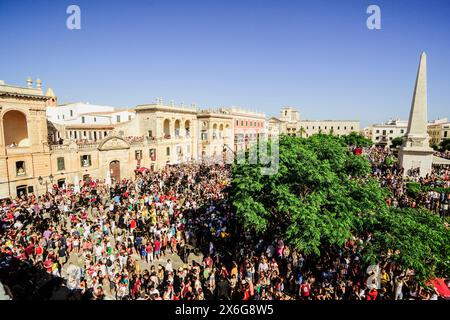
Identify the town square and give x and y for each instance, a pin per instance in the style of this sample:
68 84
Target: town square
111 190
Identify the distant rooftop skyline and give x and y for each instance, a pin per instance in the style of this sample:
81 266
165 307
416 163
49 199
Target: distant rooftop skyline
316 56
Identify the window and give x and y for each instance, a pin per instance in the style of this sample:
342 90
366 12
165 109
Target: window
168 151
75 134
95 135
152 154
138 154
20 168
118 118
71 113
150 133
445 134
339 128
60 162
242 123
352 129
237 122
377 138
105 134
204 135
390 131
402 131
83 120
345 128
84 134
95 119
378 131
129 117
86 160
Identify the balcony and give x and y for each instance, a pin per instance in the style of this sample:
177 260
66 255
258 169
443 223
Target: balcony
17 150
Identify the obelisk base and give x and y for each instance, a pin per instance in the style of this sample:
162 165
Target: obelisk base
410 159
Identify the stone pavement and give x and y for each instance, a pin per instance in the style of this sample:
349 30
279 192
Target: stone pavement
77 260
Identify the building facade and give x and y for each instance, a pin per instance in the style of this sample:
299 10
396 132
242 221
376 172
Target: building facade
43 143
291 124
382 134
24 150
438 130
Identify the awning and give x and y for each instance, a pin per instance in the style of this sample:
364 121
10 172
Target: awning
441 161
441 287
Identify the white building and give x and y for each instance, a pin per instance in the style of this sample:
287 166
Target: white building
383 134
291 124
84 121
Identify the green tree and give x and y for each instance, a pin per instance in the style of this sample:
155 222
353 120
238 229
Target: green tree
356 139
311 198
322 194
396 142
444 145
414 239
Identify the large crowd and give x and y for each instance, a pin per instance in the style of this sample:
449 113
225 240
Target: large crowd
173 235
435 187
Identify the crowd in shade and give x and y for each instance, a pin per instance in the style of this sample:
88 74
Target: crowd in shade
173 235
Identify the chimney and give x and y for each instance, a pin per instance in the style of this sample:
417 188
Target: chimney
29 82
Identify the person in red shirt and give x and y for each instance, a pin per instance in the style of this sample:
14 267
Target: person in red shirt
372 295
305 290
157 244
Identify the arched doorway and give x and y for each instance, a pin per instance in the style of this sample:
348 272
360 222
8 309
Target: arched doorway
114 169
15 129
166 128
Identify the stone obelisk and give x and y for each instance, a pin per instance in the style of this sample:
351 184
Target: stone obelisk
415 153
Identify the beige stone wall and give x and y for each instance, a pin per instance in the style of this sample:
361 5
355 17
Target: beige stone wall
23 121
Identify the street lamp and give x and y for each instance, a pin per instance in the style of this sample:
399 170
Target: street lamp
41 181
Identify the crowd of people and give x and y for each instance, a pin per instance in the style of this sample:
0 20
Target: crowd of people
173 235
435 187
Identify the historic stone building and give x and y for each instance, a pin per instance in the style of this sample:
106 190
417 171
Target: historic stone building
24 151
291 124
43 143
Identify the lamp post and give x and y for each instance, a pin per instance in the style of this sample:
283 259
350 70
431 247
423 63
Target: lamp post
41 181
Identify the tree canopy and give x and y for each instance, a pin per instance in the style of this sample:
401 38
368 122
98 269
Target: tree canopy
444 145
322 194
398 141
356 139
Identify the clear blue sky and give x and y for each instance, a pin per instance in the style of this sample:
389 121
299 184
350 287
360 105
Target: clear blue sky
259 54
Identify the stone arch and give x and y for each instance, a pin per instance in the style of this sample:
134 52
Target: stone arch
166 127
187 127
177 127
15 128
113 143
